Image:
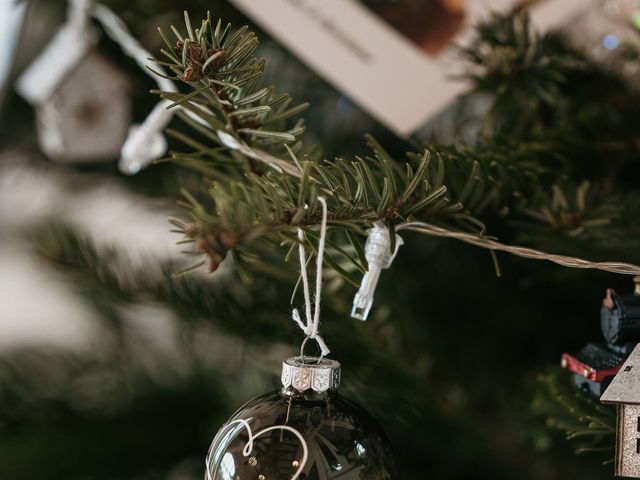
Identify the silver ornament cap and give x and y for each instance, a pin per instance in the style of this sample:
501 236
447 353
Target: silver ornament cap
310 373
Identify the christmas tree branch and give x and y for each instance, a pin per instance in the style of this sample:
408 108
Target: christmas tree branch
253 206
227 98
358 193
588 424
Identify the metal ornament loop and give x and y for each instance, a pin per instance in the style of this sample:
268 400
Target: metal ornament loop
304 343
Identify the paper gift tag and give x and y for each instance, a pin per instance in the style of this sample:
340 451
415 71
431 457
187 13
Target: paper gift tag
395 59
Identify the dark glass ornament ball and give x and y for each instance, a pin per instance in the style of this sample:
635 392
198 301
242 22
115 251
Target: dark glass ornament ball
343 441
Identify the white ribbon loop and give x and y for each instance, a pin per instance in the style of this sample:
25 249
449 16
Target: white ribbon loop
312 324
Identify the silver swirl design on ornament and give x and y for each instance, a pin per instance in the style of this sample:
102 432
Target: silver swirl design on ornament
248 448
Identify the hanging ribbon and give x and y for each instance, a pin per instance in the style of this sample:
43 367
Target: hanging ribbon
311 326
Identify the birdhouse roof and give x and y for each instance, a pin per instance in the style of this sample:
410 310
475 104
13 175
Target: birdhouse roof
63 53
625 386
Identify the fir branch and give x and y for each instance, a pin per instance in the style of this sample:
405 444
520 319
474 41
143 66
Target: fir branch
226 95
358 193
106 277
586 218
590 426
250 205
544 88
526 72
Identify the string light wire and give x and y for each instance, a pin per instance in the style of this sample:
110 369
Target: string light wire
491 244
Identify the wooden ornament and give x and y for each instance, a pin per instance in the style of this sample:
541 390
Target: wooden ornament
624 392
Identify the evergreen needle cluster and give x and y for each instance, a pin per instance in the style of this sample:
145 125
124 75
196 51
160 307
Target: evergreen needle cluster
590 426
553 165
263 183
551 162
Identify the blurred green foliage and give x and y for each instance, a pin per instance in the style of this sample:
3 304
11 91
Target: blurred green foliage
450 361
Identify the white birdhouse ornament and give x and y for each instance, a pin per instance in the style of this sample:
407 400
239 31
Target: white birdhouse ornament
82 101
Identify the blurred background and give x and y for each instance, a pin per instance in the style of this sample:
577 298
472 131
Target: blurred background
113 368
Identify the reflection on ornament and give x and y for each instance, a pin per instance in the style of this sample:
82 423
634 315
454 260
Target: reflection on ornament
228 469
305 431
